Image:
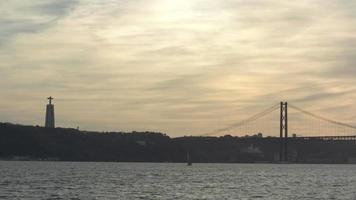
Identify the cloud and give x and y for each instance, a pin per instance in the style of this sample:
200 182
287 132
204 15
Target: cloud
56 8
19 17
164 64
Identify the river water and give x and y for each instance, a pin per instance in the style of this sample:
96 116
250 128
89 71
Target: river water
85 180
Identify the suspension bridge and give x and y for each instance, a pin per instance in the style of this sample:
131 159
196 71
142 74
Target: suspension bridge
287 122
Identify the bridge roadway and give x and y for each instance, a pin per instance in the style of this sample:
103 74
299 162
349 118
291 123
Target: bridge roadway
306 138
327 138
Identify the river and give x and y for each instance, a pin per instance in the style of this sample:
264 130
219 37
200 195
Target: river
100 180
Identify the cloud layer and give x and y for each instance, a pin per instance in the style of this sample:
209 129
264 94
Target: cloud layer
181 67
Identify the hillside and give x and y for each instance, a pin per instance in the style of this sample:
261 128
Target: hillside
18 142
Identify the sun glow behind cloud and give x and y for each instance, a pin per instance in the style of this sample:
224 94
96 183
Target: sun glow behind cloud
165 64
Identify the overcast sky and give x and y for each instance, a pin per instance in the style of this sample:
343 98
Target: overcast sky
177 66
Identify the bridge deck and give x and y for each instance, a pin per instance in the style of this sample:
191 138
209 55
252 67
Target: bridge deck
326 138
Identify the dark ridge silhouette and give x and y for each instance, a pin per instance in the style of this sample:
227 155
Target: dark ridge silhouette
19 142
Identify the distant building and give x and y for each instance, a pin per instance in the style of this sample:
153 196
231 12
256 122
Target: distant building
351 160
141 143
49 123
252 149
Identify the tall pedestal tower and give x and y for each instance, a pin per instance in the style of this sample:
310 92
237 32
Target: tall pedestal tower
49 114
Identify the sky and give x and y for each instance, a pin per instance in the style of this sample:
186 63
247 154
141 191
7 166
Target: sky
182 67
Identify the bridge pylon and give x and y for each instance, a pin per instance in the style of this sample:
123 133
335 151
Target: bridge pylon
283 151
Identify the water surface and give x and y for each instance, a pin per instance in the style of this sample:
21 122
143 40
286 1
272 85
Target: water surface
85 180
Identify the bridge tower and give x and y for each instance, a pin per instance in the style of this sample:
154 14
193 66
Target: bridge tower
49 123
283 152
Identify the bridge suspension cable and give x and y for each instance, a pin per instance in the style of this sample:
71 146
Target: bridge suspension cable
322 118
243 122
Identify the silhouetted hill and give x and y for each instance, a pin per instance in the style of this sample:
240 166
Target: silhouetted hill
18 142
71 144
